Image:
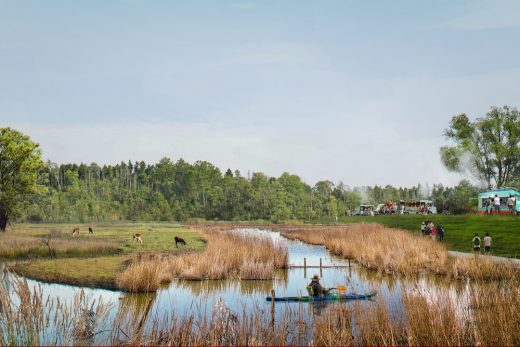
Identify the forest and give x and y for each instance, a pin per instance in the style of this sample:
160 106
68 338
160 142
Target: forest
179 191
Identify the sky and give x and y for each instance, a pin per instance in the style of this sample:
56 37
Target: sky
351 91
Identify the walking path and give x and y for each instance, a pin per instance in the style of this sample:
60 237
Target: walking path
492 257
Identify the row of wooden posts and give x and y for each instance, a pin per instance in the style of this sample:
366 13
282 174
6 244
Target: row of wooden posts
320 266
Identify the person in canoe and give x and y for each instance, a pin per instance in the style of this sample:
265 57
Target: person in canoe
315 287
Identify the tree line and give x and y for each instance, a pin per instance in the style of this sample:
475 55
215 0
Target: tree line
178 191
487 148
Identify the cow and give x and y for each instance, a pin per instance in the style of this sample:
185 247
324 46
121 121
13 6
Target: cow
179 240
137 237
75 231
90 230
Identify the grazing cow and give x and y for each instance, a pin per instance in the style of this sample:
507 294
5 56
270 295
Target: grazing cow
75 231
179 240
90 231
138 238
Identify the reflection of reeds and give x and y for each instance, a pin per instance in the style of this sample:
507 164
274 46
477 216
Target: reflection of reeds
207 287
27 318
231 254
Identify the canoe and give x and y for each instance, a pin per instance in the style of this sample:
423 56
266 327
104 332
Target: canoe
329 297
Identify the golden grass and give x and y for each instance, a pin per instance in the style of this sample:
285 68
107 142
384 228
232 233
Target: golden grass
377 247
143 274
29 319
231 254
53 244
395 251
487 314
334 327
481 268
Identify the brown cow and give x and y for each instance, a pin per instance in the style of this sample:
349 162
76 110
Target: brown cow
179 240
138 238
75 231
90 231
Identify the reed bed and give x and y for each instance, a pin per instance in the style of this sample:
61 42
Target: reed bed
482 268
142 274
376 247
231 254
27 318
489 314
54 244
395 251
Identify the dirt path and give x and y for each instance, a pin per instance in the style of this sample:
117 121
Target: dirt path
492 257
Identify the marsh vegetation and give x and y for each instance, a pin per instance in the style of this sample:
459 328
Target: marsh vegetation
398 252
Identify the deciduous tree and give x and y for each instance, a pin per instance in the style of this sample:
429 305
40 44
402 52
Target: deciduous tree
488 147
20 162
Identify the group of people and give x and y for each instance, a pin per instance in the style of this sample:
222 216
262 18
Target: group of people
388 208
477 243
493 204
429 229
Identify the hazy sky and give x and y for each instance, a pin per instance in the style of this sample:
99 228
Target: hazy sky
358 91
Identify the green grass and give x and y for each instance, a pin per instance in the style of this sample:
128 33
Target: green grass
96 270
460 229
99 272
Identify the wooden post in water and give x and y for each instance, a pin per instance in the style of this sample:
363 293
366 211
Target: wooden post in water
272 307
305 263
349 263
320 263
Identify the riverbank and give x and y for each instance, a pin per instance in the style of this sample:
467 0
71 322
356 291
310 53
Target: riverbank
398 252
460 229
50 253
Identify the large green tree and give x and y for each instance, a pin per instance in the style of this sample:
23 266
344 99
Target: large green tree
20 163
488 148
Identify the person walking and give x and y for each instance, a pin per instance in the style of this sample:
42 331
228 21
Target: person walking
433 231
513 199
497 204
476 244
487 243
489 205
440 231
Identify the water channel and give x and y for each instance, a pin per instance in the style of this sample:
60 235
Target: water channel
199 297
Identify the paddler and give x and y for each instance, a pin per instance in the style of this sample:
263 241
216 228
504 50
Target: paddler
317 288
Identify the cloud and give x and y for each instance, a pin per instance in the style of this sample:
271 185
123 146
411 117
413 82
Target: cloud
489 14
270 52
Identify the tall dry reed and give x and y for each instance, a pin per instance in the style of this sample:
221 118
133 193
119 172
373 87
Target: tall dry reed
482 268
54 244
488 313
231 254
27 318
399 252
142 274
377 247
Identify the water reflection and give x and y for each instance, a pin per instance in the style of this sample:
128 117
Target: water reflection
184 298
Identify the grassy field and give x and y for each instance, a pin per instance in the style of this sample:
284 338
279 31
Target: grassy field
89 260
505 230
